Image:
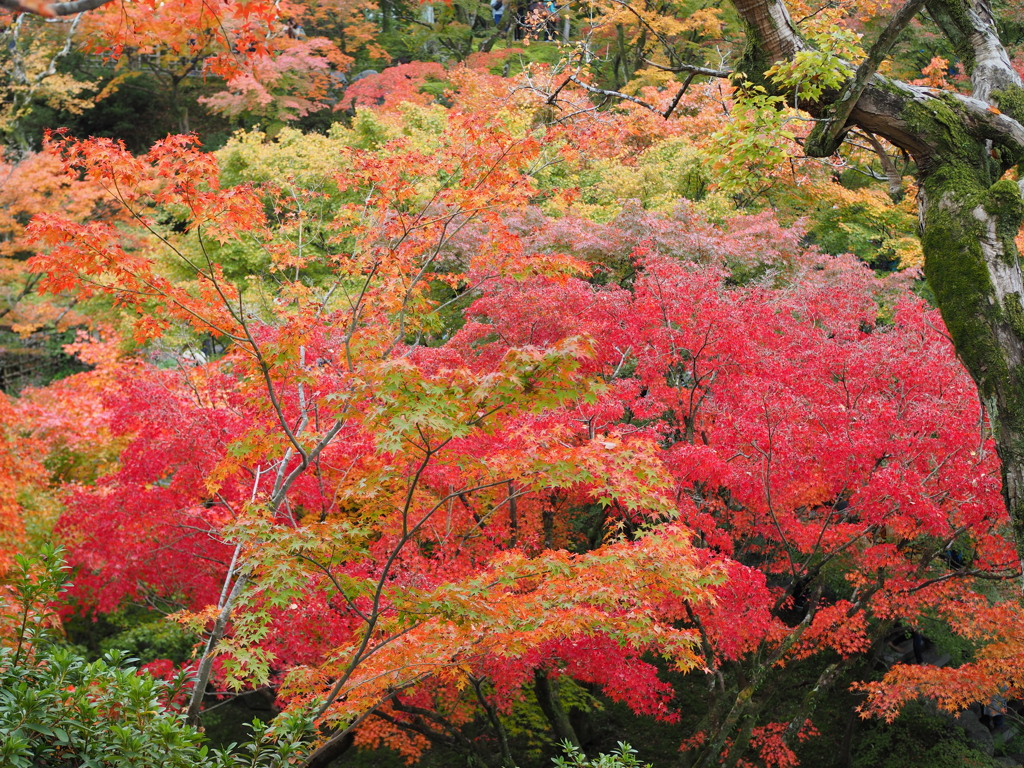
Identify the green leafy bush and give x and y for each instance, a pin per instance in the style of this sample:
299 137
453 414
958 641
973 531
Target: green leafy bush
59 710
623 757
918 739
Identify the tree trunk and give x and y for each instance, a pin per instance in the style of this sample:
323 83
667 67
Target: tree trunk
507 761
973 267
331 751
547 696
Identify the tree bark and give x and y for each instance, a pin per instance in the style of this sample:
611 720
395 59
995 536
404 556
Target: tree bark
547 696
51 10
507 761
331 751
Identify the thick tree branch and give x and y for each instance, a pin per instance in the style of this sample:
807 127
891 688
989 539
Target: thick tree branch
894 110
827 135
52 10
962 146
971 27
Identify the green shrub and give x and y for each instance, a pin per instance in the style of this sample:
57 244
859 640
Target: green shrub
59 710
623 757
918 739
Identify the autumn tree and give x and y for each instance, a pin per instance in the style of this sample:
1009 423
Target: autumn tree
537 449
31 53
965 151
414 489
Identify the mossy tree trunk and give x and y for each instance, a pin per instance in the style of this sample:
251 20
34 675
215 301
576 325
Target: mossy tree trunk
546 689
972 264
970 215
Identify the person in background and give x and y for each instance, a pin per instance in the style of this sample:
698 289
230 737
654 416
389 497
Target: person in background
537 20
498 9
551 20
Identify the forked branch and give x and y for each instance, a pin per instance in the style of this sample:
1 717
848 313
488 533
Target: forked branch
827 135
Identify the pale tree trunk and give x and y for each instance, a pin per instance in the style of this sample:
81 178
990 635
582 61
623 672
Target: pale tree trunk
972 264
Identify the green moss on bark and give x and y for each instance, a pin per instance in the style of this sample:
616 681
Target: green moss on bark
1015 313
753 64
1011 101
1003 201
955 185
957 273
960 211
940 122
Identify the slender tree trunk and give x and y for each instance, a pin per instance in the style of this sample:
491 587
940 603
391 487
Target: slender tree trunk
621 57
547 696
180 112
738 717
507 761
229 594
331 751
739 746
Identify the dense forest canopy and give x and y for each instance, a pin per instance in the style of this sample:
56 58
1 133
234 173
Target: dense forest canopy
478 383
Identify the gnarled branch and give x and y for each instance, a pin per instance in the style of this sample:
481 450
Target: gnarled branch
827 135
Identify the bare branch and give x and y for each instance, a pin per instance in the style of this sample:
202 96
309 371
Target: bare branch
692 69
614 94
892 173
675 102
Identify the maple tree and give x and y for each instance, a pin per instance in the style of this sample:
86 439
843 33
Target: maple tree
827 73
20 473
362 420
32 185
266 67
732 417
